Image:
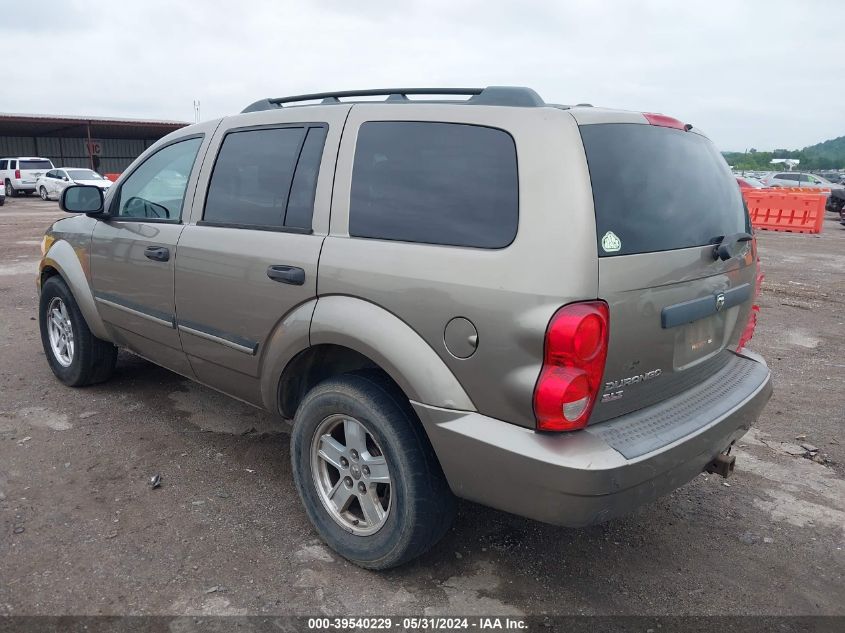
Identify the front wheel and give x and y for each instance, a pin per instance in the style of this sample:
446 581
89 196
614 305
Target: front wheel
43 193
366 472
75 355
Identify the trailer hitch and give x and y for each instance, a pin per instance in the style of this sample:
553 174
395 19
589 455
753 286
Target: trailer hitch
722 464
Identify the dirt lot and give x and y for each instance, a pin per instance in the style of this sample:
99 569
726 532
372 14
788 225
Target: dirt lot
82 533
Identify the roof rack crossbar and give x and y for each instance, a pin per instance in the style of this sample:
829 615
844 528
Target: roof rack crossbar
492 95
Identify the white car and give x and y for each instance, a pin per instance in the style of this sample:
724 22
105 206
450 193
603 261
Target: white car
19 174
51 184
799 179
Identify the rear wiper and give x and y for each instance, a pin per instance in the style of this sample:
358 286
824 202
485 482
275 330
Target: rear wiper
729 245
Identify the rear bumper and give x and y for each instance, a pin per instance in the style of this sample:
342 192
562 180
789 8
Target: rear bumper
577 479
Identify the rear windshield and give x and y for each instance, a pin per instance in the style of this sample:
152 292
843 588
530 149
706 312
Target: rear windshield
659 189
35 164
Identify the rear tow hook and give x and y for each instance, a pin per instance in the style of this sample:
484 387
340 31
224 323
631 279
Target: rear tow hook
722 464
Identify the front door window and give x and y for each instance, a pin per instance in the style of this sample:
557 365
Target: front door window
156 189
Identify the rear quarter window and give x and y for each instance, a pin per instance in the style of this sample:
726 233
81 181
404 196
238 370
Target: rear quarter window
434 183
658 189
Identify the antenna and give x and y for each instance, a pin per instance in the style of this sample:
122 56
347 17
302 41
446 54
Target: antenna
196 111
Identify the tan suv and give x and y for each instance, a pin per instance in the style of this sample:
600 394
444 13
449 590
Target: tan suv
537 307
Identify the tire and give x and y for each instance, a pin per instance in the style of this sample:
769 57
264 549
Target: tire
90 359
10 190
419 504
43 193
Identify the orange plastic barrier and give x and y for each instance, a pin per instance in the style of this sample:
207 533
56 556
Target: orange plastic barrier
803 189
780 210
112 177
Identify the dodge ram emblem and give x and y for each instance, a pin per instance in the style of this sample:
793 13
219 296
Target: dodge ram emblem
720 301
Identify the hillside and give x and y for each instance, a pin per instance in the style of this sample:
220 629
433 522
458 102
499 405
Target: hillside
826 155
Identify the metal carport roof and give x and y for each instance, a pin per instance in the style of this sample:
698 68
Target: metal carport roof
66 126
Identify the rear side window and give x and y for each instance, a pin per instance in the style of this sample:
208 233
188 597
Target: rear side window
266 178
435 183
301 201
659 189
36 164
4 164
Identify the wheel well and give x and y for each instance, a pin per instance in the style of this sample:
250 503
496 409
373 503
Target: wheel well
312 366
46 273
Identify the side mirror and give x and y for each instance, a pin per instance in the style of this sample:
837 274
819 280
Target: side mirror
65 178
82 199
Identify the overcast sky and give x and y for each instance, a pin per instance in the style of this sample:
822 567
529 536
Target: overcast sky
764 74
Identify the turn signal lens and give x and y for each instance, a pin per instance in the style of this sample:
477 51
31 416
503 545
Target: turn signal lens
46 243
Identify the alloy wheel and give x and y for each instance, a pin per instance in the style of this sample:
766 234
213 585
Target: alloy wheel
60 331
351 475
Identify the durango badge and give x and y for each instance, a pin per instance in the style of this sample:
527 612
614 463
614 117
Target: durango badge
611 242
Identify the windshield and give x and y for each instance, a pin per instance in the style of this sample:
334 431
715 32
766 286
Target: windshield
658 189
83 174
36 164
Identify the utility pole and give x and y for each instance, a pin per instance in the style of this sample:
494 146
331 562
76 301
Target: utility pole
196 111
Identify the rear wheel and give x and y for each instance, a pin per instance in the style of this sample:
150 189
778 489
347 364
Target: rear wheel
366 472
43 193
10 190
75 355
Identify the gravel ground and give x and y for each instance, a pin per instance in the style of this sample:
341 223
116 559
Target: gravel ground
82 533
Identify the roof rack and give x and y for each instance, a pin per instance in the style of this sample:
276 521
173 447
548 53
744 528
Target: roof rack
515 96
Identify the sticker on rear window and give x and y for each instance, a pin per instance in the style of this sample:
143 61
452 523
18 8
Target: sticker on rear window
611 242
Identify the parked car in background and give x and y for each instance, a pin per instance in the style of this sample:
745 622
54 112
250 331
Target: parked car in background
51 184
834 177
836 202
2 196
799 179
835 197
747 182
19 174
337 263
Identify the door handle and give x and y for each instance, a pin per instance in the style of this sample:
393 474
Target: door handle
287 274
157 253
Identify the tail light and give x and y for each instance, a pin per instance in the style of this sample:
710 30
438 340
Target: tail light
573 366
17 174
748 332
